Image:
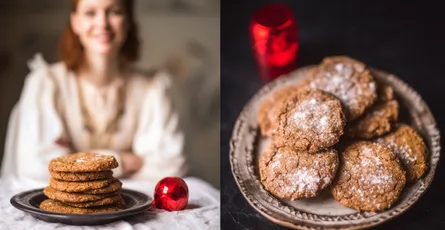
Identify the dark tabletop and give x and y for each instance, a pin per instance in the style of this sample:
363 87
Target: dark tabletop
403 38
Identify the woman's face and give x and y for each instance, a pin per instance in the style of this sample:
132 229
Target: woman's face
101 25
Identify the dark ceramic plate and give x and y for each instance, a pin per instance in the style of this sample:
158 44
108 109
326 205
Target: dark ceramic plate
323 212
29 201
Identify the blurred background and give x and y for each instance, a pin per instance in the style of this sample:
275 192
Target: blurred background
180 35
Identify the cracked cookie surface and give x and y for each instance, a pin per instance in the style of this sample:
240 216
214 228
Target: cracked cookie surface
370 177
377 122
83 162
310 121
379 119
290 174
269 109
410 148
347 79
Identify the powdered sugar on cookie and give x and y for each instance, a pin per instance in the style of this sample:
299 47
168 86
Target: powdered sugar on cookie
295 175
410 149
349 81
313 121
371 178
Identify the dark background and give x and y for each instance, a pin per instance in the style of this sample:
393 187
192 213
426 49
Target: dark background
403 38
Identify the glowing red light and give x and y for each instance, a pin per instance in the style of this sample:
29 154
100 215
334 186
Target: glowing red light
274 39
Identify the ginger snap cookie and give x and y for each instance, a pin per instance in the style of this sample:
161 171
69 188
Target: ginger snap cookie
116 199
55 206
347 79
115 186
370 177
377 122
82 176
379 119
410 148
269 109
73 197
82 186
83 162
310 121
291 174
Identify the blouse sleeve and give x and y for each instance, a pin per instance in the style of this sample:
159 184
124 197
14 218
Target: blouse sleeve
39 130
158 139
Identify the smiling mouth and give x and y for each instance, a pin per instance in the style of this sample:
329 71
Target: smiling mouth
104 38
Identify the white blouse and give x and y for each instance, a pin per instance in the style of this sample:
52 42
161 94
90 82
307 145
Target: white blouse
49 114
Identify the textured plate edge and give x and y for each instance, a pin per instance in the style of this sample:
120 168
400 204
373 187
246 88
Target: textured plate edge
432 130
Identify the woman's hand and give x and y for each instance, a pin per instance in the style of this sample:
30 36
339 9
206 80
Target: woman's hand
131 163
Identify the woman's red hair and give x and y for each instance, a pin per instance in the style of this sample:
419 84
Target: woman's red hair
71 50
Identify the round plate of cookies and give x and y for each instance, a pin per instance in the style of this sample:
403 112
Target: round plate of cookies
82 191
338 145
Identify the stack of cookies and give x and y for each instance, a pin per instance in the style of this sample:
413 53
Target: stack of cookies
83 183
339 128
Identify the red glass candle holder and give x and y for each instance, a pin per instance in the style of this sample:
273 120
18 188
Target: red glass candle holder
274 38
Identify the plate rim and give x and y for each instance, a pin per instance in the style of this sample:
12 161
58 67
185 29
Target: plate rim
301 223
110 215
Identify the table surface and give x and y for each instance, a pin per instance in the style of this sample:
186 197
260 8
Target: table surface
202 211
395 36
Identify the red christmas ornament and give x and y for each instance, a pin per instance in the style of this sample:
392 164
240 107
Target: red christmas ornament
171 194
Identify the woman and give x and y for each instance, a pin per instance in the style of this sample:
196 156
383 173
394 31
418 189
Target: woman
95 101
